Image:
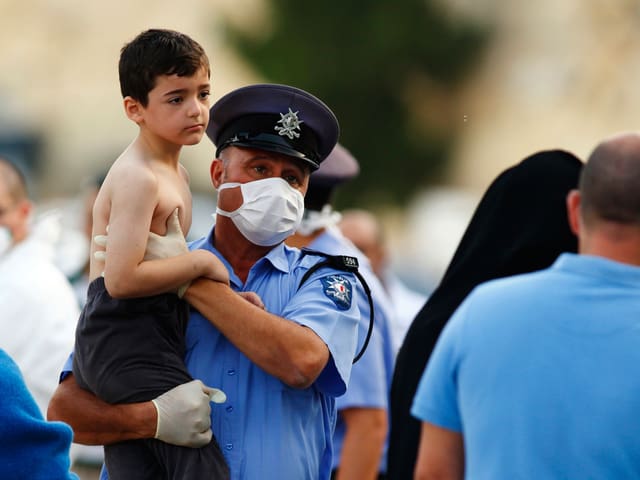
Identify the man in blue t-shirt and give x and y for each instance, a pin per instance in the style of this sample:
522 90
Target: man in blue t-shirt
280 367
534 375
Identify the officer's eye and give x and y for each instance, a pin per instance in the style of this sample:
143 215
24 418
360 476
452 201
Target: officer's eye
292 180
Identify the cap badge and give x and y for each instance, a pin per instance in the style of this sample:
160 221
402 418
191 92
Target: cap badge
288 124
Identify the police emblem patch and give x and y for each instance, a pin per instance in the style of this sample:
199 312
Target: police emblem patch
338 289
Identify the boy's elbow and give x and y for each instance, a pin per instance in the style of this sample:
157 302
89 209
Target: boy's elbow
118 288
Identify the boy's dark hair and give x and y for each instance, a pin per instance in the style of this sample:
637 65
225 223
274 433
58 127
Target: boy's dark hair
157 52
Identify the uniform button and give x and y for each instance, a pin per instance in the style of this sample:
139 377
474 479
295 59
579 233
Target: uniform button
231 372
229 446
229 409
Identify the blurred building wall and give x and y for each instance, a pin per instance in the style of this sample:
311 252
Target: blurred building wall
59 61
557 75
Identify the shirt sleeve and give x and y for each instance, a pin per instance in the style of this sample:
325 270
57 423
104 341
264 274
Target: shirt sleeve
368 385
67 369
327 304
436 399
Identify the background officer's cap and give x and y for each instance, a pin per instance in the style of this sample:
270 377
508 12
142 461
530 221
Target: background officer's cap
339 167
276 118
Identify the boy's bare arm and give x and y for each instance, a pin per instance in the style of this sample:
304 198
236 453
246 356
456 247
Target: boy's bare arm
134 198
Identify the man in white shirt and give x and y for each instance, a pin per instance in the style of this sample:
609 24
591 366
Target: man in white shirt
38 309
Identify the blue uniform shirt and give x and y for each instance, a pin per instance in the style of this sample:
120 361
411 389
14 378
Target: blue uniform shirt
370 379
267 429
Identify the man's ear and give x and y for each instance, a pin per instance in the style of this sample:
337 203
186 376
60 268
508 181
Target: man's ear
216 171
573 210
133 109
25 207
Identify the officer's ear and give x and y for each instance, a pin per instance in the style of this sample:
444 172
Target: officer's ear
216 172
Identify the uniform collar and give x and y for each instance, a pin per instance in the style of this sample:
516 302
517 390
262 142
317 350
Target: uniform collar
278 256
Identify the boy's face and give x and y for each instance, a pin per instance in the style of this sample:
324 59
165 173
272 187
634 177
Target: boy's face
178 108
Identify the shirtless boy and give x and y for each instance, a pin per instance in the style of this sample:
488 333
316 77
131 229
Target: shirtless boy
130 336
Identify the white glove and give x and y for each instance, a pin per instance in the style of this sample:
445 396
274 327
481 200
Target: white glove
171 244
184 414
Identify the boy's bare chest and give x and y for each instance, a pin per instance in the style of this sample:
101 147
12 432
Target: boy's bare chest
173 192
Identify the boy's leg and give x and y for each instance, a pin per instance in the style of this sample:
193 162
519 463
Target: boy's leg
132 460
183 462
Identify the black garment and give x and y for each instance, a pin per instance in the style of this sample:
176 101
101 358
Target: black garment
520 225
381 476
132 350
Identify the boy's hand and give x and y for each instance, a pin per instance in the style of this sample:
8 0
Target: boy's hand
183 414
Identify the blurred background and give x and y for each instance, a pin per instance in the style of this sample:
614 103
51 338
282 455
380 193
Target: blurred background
434 97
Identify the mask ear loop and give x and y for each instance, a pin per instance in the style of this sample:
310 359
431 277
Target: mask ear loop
226 186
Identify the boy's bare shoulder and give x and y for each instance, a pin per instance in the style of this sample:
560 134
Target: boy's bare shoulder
129 167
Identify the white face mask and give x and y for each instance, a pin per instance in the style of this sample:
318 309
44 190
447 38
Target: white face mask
270 212
6 240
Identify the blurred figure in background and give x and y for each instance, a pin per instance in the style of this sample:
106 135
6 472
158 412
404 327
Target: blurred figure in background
37 304
520 225
80 279
362 424
365 231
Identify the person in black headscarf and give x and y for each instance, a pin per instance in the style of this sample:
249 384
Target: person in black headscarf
520 225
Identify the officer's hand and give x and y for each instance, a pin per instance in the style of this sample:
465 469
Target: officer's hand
171 244
183 414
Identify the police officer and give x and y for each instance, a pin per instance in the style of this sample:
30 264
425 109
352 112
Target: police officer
361 429
281 367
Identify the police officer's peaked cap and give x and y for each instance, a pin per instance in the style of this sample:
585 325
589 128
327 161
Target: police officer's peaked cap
339 167
276 118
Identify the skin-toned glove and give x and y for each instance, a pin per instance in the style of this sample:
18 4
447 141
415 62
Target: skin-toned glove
183 414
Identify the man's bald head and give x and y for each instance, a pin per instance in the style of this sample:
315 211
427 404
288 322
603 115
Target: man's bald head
365 232
610 181
15 207
13 180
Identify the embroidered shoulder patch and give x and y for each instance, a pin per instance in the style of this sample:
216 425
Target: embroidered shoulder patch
338 289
